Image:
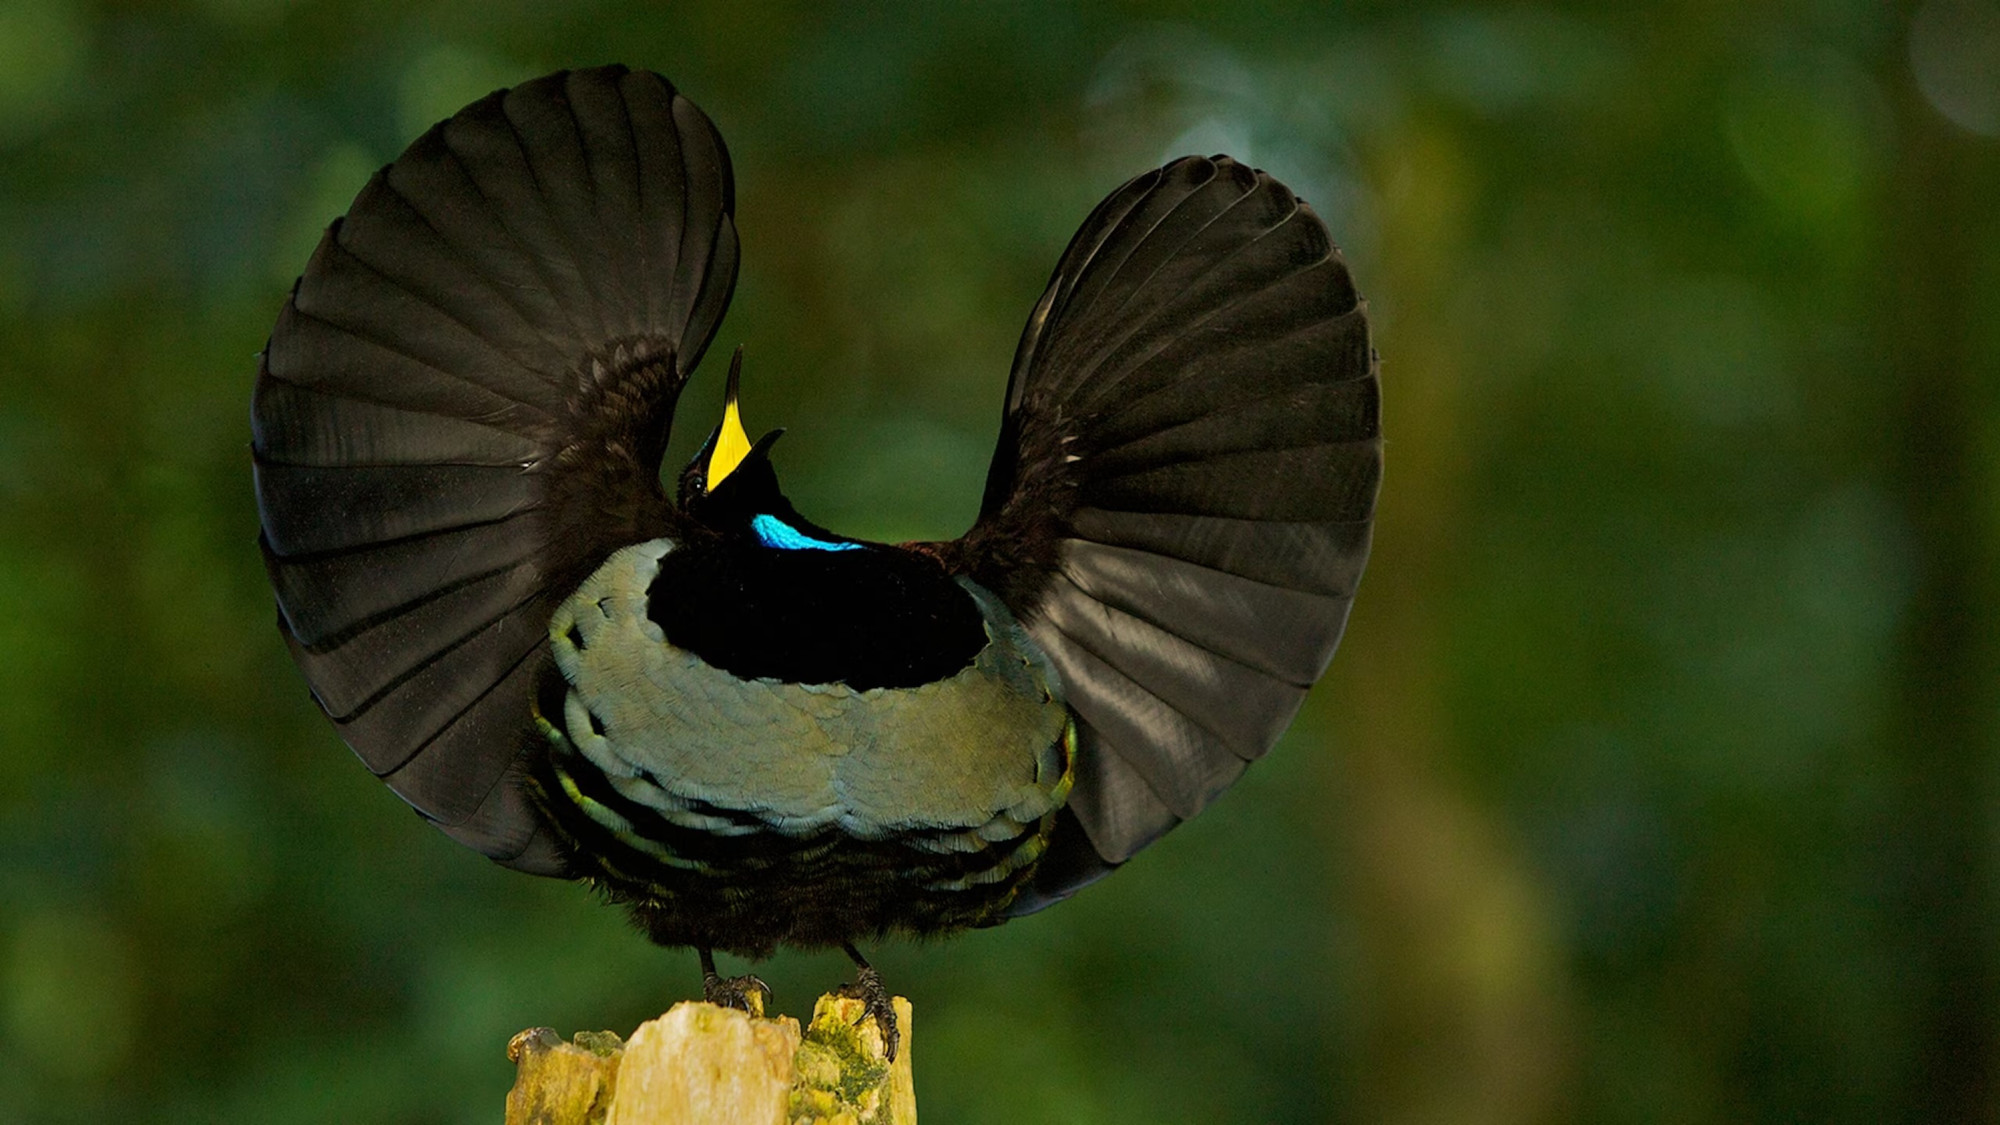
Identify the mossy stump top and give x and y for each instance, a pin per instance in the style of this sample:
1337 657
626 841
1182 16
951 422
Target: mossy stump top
699 1063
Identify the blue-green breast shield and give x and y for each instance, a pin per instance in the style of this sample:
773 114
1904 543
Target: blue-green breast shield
979 751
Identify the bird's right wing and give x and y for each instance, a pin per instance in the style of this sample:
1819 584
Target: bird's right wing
462 412
1180 504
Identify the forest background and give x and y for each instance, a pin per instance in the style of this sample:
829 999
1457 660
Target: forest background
1655 781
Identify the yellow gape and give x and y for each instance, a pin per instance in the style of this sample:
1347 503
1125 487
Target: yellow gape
732 445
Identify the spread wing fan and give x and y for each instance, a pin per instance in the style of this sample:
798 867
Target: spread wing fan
1179 506
462 410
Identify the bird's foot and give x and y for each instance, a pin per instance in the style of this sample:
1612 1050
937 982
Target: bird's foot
867 987
746 993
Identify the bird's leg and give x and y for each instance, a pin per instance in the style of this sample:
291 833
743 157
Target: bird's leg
747 992
867 987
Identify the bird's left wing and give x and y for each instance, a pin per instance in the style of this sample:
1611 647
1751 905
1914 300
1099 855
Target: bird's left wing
1180 504
462 411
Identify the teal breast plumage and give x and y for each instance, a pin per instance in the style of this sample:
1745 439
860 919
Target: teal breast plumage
749 729
918 806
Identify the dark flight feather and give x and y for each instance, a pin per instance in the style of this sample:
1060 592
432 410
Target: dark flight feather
1179 506
462 410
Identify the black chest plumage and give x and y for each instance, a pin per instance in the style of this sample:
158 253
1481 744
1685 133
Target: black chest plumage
869 617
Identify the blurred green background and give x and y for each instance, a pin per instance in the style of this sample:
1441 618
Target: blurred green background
1655 780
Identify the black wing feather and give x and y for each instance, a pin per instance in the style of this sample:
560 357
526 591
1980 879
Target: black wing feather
1179 507
462 410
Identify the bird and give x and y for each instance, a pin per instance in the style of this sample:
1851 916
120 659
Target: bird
751 731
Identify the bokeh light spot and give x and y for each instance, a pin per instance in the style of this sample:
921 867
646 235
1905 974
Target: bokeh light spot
1955 52
1809 130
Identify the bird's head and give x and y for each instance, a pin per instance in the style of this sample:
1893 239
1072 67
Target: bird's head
731 481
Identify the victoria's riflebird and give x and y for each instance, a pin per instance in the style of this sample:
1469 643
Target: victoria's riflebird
749 729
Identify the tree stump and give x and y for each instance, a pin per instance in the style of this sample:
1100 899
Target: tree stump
700 1064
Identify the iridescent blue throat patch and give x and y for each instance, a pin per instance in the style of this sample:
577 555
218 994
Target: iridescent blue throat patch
774 532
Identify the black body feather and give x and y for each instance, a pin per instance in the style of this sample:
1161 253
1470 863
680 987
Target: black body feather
461 416
870 618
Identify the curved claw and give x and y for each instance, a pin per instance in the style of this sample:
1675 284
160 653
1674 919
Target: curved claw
746 993
868 988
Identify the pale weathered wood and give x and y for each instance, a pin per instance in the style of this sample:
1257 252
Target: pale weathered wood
700 1064
704 1065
